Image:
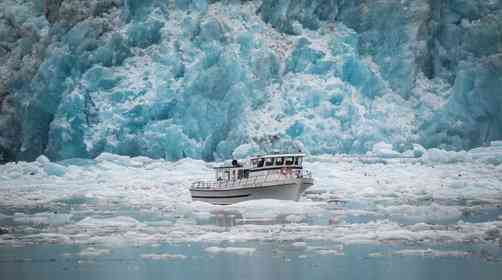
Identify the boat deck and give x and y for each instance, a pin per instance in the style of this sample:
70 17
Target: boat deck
252 182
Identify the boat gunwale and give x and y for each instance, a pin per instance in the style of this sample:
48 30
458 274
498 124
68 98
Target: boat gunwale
291 182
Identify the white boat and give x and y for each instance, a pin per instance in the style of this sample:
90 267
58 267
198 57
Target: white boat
274 176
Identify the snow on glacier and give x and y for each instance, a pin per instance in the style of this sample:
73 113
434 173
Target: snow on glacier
201 79
121 201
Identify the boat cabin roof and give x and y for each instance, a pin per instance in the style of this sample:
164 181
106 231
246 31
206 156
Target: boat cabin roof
277 156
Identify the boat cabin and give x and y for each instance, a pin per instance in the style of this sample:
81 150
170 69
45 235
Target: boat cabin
259 165
277 161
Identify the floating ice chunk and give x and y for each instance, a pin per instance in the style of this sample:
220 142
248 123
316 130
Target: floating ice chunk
94 252
330 252
299 244
121 221
47 238
423 253
384 150
433 213
50 168
231 250
158 257
490 155
45 218
418 150
42 159
441 156
162 223
125 161
294 218
54 169
496 143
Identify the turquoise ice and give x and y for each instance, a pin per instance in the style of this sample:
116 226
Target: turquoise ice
199 79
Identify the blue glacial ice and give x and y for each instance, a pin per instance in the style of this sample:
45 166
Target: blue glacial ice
209 79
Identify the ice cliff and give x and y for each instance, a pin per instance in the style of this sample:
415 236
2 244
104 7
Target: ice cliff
202 79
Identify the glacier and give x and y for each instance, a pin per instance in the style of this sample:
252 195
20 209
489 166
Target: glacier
214 79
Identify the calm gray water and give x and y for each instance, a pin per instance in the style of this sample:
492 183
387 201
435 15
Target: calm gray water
271 260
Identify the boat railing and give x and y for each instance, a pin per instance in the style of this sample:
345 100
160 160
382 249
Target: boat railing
276 177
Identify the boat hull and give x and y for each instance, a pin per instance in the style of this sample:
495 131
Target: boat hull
288 190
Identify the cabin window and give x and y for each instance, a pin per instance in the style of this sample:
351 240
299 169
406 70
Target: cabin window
279 161
300 161
260 162
254 162
269 162
289 160
296 160
241 173
227 174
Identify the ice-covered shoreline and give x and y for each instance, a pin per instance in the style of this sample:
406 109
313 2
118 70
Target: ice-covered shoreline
440 197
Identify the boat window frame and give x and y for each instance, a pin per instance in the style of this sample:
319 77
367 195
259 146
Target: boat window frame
279 163
289 160
269 161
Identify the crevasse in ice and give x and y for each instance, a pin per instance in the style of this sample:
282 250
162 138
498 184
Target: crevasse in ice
208 79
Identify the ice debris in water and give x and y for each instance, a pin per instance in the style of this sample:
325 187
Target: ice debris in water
432 213
382 149
120 221
423 253
165 256
119 200
231 250
93 252
43 218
